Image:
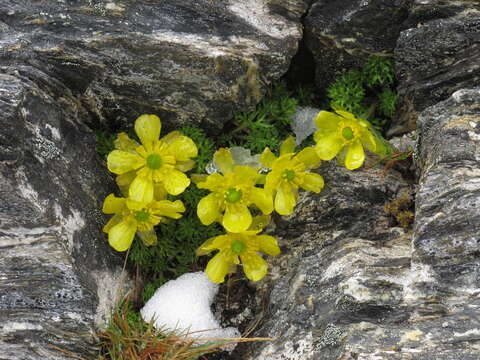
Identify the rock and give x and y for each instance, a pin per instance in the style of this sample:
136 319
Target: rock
58 277
195 62
351 286
342 34
436 55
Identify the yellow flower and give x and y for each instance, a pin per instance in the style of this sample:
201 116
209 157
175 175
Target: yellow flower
236 248
342 134
130 218
231 194
154 161
289 173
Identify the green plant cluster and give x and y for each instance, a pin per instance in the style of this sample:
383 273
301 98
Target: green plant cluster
267 125
367 92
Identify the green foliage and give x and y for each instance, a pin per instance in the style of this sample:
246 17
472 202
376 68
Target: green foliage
267 125
104 142
174 253
378 71
367 93
205 145
347 93
387 102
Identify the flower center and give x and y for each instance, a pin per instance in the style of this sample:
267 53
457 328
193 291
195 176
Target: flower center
289 175
141 216
238 247
347 133
233 195
154 161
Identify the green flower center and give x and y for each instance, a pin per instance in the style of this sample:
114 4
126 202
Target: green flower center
233 195
154 161
141 216
238 247
289 174
347 133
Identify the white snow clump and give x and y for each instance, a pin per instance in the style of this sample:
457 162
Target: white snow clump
184 305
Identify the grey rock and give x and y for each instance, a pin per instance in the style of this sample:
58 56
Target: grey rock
436 55
59 279
341 34
351 286
196 62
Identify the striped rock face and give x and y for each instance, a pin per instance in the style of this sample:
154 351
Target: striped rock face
186 61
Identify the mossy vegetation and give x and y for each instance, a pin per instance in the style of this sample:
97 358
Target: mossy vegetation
367 92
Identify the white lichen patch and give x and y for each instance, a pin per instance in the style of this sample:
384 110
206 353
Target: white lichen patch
298 350
467 334
111 288
355 289
28 192
256 13
14 326
413 335
54 131
69 225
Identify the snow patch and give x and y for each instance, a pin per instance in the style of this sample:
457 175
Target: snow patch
184 305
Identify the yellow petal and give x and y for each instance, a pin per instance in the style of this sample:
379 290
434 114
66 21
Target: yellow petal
123 142
212 182
328 146
309 157
113 204
327 121
176 182
206 247
355 156
119 162
149 238
159 192
262 199
267 158
254 267
268 245
112 222
272 180
120 236
346 114
312 182
172 135
168 208
183 148
237 218
148 129
185 166
135 205
259 222
245 175
285 200
224 160
141 189
287 146
198 178
208 209
218 267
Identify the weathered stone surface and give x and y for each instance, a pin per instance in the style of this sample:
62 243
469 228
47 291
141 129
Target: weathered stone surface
341 34
435 56
187 61
58 277
351 286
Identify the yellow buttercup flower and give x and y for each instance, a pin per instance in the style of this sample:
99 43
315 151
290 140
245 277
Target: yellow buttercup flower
289 172
141 166
231 194
130 218
341 134
236 248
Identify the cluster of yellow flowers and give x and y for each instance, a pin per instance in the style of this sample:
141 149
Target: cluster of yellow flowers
147 172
